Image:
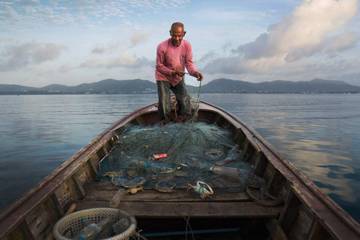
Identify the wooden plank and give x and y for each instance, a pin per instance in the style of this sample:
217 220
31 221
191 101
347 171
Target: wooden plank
290 212
152 195
22 232
260 164
244 151
57 204
79 186
193 209
38 222
301 227
219 184
92 166
318 232
275 230
277 184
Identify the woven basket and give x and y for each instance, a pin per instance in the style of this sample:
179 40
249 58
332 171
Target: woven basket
70 225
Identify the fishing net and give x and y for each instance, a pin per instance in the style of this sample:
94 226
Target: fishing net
175 155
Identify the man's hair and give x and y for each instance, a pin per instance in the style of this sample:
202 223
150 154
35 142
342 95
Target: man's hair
176 24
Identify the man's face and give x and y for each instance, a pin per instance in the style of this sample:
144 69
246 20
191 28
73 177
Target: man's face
177 34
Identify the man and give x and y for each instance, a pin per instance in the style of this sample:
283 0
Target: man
172 57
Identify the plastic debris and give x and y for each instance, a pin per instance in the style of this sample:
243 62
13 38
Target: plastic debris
203 189
159 156
227 171
93 230
116 199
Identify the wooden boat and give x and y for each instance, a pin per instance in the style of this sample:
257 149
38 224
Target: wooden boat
306 212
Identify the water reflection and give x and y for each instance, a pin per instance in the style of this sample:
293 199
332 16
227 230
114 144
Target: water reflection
320 134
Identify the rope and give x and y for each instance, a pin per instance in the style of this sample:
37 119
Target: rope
172 148
197 103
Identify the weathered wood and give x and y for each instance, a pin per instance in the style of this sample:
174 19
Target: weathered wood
71 209
290 212
79 186
21 233
302 225
38 222
57 204
193 209
269 173
260 164
152 195
244 150
276 184
93 166
275 230
318 232
101 152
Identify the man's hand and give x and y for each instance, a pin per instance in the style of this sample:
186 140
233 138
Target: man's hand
199 76
176 73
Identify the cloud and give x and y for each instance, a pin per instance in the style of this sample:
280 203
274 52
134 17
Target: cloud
231 15
98 50
207 56
28 12
306 32
17 56
341 42
330 46
124 61
138 38
106 48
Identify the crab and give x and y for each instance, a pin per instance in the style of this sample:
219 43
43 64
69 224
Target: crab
165 186
134 190
112 174
129 183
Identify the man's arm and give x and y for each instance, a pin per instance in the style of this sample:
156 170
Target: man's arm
189 64
160 58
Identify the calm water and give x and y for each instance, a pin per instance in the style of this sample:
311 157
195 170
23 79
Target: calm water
320 134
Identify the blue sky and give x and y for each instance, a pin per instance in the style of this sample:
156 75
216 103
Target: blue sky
72 42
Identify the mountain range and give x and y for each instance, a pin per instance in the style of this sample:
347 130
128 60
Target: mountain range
112 86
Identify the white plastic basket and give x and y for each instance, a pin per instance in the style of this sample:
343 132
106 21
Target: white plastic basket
75 222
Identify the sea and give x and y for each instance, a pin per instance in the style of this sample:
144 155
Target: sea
318 133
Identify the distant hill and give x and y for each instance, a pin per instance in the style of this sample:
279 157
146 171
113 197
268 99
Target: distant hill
112 86
313 86
107 86
15 89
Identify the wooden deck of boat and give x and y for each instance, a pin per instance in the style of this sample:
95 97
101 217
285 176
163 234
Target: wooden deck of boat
150 203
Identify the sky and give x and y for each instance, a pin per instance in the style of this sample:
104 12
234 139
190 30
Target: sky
83 41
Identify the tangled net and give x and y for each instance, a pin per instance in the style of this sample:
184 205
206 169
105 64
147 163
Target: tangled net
191 149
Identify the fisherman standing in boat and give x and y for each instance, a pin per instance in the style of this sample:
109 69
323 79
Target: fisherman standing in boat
172 57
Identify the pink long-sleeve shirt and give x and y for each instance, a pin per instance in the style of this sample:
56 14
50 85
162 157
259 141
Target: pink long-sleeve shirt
169 58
